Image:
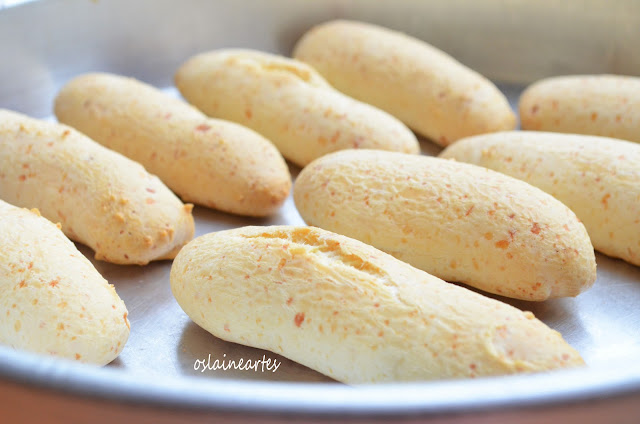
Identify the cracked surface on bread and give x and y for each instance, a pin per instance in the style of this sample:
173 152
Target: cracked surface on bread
353 312
288 102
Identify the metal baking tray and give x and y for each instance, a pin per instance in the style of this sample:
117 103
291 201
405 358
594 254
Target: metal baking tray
45 43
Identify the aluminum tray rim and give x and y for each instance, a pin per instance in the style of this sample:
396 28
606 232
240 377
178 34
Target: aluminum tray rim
562 387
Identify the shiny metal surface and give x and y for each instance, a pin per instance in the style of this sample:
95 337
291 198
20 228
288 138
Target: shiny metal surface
44 43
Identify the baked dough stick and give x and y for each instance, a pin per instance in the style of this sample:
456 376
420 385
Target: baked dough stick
424 87
210 162
101 198
352 312
289 103
52 299
457 221
597 177
605 105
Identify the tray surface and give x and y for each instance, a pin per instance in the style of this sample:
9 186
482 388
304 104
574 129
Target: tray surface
148 40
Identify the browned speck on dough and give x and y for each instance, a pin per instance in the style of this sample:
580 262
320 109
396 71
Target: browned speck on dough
534 109
125 320
78 356
594 116
289 301
54 283
535 229
475 264
299 319
502 244
282 263
203 127
605 200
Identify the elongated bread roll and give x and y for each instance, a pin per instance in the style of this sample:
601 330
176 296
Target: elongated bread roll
289 103
597 177
52 299
353 312
457 221
605 105
206 161
422 86
104 200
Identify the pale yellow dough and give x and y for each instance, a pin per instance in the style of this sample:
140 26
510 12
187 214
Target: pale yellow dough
604 105
206 161
352 312
597 177
289 103
52 299
457 221
425 88
101 198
